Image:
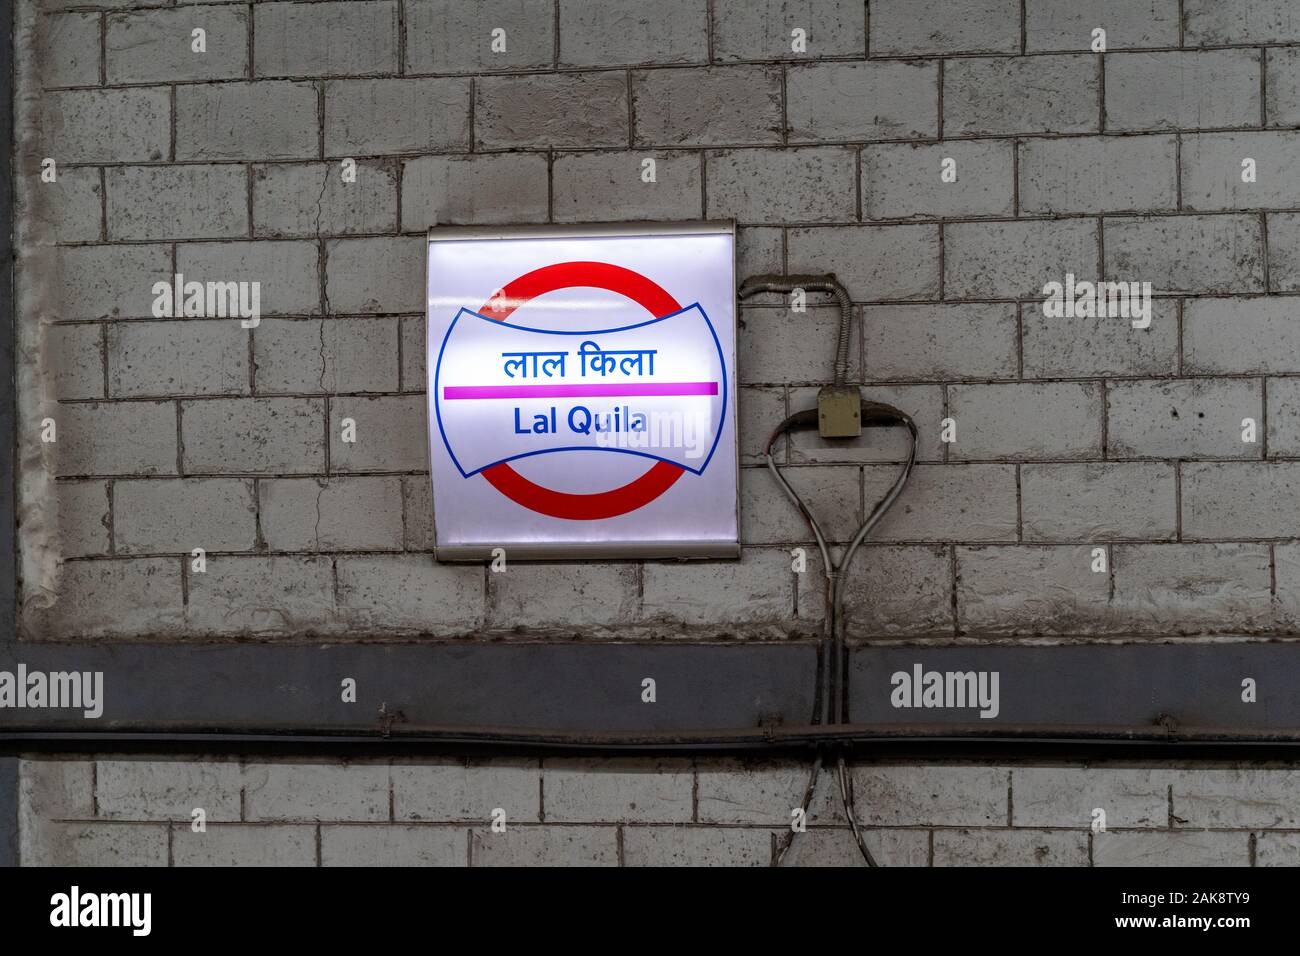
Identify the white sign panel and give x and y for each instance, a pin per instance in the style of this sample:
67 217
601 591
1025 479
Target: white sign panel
582 392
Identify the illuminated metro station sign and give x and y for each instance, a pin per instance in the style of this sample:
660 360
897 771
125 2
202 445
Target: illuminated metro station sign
582 393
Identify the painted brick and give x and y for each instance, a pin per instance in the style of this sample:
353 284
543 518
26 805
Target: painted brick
946 503
763 793
1207 254
1237 798
309 199
1239 499
1102 345
325 39
1282 86
1286 560
331 514
245 595
1182 90
546 846
75 365
1283 417
156 46
609 790
595 186
474 190
47 790
414 359
176 202
1029 420
153 516
1193 418
166 789
263 120
758 186
767 516
233 845
940 342
1277 849
417 502
1067 796
287 273
889 591
620 32
924 403
777 346
326 355
140 597
299 791
1193 588
943 796
371 117
757 411
565 597
448 36
1010 848
909 27
391 434
560 109
1227 336
760 29
98 282
75 202
839 101
826 847
375 275
107 126
902 180
409 593
100 844
163 359
1210 23
134 438
1284 252
875 263
1031 590
757 589
759 249
73 39
267 436
1090 174
393 846
723 106
52 5
1212 170
696 846
1068 24
83 518
1033 94
1098 501
1170 849
1016 259
459 790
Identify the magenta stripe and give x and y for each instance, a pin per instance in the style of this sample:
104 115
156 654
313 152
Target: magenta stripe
626 390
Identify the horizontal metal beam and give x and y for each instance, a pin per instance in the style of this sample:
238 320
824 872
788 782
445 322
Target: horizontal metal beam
1183 688
730 696
557 687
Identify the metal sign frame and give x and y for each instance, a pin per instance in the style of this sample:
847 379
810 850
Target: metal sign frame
631 549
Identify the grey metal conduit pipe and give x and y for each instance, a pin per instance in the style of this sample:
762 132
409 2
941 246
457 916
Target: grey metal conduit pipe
770 282
831 683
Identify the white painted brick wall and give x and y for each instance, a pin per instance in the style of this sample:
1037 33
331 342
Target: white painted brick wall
1072 433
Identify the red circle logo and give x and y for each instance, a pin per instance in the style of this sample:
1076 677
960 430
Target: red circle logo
560 504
